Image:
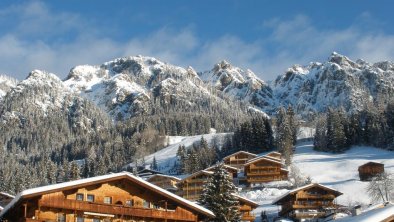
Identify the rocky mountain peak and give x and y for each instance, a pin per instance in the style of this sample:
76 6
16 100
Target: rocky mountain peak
342 61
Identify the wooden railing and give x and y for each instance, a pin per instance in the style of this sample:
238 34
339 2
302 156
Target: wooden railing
315 204
248 217
309 215
263 172
315 196
245 208
178 214
32 220
263 179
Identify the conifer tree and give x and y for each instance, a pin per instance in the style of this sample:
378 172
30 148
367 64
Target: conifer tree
218 196
154 164
74 171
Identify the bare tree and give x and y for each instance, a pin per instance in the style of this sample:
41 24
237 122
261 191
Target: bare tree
381 187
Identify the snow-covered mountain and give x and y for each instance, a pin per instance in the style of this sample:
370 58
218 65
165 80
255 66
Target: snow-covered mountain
339 82
6 83
129 86
240 84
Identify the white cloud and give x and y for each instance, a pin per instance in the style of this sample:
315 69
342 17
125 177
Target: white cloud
53 41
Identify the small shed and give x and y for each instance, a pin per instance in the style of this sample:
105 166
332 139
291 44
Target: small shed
370 170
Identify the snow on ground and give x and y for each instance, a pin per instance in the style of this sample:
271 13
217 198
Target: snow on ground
340 171
166 157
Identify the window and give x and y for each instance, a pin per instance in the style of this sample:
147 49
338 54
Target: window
107 200
130 203
80 219
96 220
61 218
80 196
146 204
90 198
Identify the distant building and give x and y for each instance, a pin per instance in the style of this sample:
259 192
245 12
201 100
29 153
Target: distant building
191 187
146 173
264 169
232 172
246 207
370 170
113 197
380 213
308 202
5 199
238 159
164 181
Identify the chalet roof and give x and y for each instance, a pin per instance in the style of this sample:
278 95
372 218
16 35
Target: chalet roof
99 179
262 158
164 175
337 193
239 152
147 171
246 200
7 195
198 173
378 214
371 164
225 166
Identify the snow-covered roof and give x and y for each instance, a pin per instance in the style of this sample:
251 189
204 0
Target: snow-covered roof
244 199
198 173
262 158
81 182
239 152
304 188
164 175
7 195
379 215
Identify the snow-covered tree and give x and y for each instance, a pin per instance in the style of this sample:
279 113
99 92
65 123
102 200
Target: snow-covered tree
218 196
381 188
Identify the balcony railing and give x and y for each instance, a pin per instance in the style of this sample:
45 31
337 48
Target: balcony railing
302 215
315 196
178 214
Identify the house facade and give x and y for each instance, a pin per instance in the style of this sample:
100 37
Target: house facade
309 202
116 197
164 181
263 170
246 207
192 186
370 170
238 159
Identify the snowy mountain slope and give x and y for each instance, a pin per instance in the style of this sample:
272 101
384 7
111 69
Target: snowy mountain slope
241 84
6 83
131 85
166 157
339 82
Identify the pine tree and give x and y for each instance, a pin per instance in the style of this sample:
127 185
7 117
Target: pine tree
154 164
74 171
284 139
218 196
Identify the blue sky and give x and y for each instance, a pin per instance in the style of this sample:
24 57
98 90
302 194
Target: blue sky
265 36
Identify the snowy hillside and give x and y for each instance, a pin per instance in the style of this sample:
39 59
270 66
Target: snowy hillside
166 157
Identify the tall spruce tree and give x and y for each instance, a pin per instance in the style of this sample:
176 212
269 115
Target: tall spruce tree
218 196
284 138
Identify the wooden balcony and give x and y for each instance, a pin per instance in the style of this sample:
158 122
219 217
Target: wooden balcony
178 214
262 172
248 217
245 208
316 196
262 180
32 220
314 205
303 215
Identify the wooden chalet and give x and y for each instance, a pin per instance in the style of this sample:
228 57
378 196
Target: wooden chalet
164 181
146 173
308 202
370 170
274 155
116 197
238 159
263 170
191 187
246 207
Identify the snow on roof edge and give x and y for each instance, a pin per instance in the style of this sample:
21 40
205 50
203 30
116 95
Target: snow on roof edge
241 151
7 194
98 178
301 188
